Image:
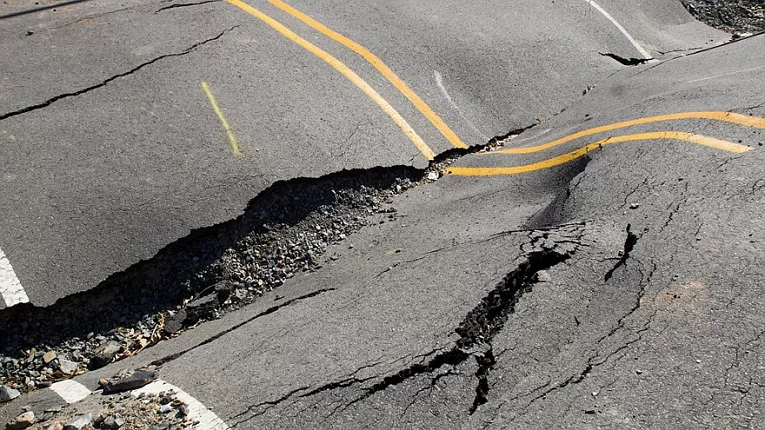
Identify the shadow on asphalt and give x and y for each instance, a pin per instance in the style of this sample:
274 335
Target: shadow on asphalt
192 265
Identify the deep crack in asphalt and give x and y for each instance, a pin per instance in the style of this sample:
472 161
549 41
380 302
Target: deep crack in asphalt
543 250
284 230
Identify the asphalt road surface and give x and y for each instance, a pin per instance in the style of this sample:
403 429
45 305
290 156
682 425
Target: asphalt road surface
600 269
111 148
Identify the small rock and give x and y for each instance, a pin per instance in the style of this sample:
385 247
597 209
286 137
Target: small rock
78 423
104 354
639 372
174 324
200 308
223 290
543 276
67 367
111 423
49 356
433 176
240 294
25 420
134 380
56 426
7 393
634 205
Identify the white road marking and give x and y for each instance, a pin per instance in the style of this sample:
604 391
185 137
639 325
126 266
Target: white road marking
634 43
440 82
725 74
197 411
71 391
10 288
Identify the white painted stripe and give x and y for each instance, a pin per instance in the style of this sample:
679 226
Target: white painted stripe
634 43
197 411
70 390
726 74
440 82
10 288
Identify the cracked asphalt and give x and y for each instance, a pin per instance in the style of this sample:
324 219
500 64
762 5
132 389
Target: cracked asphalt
600 269
111 150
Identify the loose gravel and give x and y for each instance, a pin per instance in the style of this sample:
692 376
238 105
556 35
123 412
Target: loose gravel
734 16
162 411
258 263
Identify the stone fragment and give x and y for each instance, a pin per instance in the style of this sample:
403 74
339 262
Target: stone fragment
174 323
131 381
7 393
543 276
25 420
67 367
56 426
104 354
49 356
432 176
200 308
79 422
110 423
223 291
634 205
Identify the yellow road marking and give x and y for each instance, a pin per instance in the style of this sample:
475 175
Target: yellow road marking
380 66
751 121
216 108
345 71
573 155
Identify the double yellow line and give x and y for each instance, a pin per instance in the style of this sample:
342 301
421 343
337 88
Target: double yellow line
356 79
749 121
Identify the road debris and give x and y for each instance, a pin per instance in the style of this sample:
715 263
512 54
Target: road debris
734 16
161 411
127 380
104 354
7 393
79 422
25 420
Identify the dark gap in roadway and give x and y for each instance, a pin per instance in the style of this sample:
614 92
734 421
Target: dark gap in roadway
177 5
632 61
282 231
477 329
